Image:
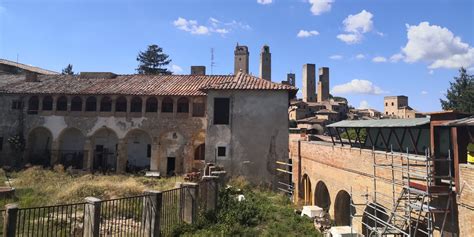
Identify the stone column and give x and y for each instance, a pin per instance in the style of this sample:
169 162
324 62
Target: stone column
92 217
155 154
9 221
191 192
152 212
114 99
55 153
122 155
144 98
88 155
212 192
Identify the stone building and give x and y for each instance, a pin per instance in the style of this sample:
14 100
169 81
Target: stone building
266 63
309 87
165 123
397 107
10 67
323 84
241 59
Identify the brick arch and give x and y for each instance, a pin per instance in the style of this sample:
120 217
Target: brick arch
343 208
39 144
71 147
372 214
321 196
307 192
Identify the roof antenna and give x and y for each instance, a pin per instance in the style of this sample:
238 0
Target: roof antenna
212 61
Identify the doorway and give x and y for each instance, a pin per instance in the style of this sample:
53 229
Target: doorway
171 166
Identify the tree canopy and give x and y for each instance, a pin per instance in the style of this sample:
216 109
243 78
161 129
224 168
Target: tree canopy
460 94
153 61
68 70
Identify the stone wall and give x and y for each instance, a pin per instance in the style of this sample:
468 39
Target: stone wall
466 200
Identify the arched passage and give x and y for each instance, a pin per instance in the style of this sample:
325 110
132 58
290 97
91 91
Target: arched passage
39 146
307 196
373 215
321 196
105 144
172 158
71 148
138 151
342 209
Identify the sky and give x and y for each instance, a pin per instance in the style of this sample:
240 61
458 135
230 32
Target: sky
374 48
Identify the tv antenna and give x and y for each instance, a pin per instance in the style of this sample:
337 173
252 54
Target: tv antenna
212 60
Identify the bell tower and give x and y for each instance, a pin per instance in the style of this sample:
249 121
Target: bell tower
241 59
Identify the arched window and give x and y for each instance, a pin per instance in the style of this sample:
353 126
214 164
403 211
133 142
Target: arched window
47 103
200 152
183 105
76 104
33 105
61 104
198 108
121 104
167 105
136 105
106 104
151 104
91 104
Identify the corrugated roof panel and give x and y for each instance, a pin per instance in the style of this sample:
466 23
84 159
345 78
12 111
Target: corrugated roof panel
414 122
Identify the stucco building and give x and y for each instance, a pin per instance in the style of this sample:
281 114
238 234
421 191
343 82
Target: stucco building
165 123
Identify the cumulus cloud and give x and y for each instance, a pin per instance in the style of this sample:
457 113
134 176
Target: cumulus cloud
176 69
424 92
306 33
360 56
363 104
336 57
396 57
379 59
357 86
264 2
320 6
355 26
437 46
214 26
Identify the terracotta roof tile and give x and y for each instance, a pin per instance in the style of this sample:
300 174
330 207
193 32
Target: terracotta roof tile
27 67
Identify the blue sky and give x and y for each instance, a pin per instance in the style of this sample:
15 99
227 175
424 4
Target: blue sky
374 48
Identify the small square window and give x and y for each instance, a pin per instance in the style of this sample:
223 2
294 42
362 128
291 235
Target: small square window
221 151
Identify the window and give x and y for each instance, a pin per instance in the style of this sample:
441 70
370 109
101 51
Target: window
121 104
47 103
221 151
148 150
151 105
61 104
91 104
33 104
136 105
386 104
167 105
76 104
1 143
183 105
198 110
106 104
200 152
221 110
392 103
17 104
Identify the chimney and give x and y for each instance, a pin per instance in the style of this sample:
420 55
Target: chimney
31 77
198 70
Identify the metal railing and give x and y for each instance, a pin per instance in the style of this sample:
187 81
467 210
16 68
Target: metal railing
123 217
172 212
72 158
58 220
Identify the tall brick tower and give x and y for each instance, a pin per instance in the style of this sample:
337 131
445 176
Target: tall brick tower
309 78
266 63
323 84
241 59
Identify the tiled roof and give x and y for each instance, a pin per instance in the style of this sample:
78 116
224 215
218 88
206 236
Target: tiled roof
27 67
185 85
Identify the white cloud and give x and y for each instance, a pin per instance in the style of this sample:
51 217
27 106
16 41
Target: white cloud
396 57
214 26
437 46
336 57
424 92
357 86
306 33
363 104
379 59
471 69
176 69
360 56
264 2
320 6
355 26
350 38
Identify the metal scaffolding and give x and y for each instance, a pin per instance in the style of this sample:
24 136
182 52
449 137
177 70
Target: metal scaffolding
416 195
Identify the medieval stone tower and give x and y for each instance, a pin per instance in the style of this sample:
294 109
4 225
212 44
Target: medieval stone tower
291 79
266 63
323 84
241 59
309 78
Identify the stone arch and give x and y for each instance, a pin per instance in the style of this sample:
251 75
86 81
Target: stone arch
39 146
172 159
183 105
167 105
307 194
372 212
61 103
151 105
104 145
343 209
321 196
121 104
33 105
71 148
91 104
76 104
136 104
139 150
105 104
47 103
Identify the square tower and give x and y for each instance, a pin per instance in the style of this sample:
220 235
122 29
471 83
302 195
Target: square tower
266 63
392 104
323 84
241 59
291 79
309 78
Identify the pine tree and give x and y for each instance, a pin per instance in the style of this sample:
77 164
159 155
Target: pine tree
460 95
68 70
153 61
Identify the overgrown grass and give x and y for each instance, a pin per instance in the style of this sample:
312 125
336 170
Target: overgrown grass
262 213
38 187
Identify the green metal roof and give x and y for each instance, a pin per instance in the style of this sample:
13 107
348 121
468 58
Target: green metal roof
380 123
